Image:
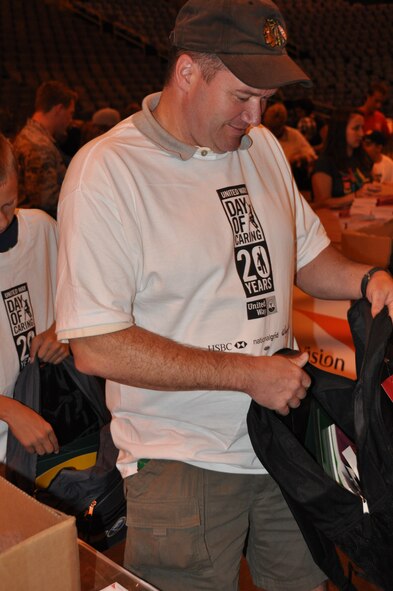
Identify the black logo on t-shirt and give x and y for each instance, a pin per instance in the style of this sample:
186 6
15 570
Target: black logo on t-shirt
21 318
250 249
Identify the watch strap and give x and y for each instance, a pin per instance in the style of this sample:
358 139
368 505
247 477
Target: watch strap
366 278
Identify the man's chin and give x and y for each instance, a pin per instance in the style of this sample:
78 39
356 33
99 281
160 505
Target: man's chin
232 143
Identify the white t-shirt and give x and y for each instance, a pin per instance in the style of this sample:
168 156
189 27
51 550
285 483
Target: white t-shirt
296 146
196 246
27 286
383 170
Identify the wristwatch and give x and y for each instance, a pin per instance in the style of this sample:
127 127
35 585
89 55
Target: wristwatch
366 278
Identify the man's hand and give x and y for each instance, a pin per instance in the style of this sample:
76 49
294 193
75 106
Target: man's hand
379 292
281 385
48 348
31 430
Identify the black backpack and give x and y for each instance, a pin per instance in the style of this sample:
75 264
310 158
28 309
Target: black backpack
74 404
328 514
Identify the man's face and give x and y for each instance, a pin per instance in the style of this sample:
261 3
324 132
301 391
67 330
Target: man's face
375 101
63 119
219 112
8 200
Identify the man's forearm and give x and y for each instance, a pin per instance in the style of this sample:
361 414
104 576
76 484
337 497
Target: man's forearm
332 276
139 358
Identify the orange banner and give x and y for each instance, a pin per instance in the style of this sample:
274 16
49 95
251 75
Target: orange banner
321 329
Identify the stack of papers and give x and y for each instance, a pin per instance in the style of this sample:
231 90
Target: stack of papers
383 212
374 201
364 207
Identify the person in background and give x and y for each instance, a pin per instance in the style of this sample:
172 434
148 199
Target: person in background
374 143
106 118
41 165
306 120
7 122
71 143
309 123
28 253
101 121
343 166
300 154
374 119
181 234
130 109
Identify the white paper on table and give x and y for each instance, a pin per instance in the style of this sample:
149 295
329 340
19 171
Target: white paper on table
114 587
383 212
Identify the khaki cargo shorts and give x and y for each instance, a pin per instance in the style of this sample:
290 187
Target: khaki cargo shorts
187 530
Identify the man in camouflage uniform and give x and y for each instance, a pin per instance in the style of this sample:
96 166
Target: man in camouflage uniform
41 166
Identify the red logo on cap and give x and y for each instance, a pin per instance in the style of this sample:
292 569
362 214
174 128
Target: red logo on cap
274 33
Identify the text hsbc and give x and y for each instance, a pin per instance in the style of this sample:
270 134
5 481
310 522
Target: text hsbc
221 347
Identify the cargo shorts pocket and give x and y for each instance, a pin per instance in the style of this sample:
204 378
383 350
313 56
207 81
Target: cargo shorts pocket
168 535
165 532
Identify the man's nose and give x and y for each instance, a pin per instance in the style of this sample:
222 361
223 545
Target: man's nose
252 114
3 221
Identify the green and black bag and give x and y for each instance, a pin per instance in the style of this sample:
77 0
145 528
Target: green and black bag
82 479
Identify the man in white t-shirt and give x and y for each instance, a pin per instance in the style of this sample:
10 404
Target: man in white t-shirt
28 252
180 237
295 146
299 152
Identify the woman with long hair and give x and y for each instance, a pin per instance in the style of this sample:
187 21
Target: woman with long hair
343 166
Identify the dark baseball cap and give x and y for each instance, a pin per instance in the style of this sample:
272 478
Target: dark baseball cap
249 36
375 137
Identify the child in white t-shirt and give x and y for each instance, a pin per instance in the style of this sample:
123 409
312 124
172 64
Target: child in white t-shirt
28 252
373 143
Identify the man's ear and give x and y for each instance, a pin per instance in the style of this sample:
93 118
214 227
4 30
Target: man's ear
57 109
185 71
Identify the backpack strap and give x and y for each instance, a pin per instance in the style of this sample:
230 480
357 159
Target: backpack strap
376 341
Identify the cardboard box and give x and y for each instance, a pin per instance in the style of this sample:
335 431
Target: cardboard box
38 545
100 573
371 245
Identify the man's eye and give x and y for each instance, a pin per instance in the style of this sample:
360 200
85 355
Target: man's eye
243 99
